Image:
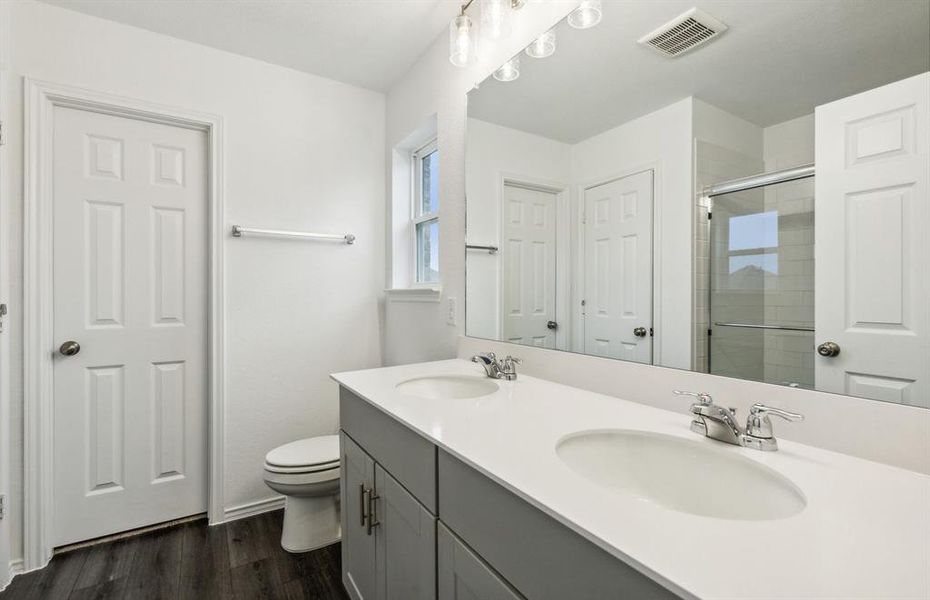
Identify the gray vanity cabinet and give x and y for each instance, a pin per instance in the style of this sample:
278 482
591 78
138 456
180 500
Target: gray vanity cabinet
464 576
388 536
420 524
405 537
358 547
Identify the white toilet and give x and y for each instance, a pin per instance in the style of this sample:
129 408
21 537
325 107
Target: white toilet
307 473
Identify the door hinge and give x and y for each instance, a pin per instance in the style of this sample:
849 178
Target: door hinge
2 506
3 311
2 136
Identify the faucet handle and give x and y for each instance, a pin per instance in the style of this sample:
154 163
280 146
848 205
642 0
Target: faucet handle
704 398
512 360
758 424
763 410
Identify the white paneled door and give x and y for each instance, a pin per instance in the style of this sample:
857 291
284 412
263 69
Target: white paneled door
528 256
618 268
873 217
130 297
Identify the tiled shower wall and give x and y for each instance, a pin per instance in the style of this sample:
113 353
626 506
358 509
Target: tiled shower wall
789 356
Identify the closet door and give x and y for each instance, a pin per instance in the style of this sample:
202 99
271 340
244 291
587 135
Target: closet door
464 576
406 543
358 541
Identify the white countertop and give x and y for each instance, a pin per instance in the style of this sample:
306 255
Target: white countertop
865 532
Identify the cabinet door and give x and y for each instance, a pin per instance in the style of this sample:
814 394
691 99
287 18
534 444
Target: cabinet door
464 576
358 546
406 541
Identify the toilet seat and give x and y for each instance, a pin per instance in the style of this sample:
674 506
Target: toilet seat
301 470
310 455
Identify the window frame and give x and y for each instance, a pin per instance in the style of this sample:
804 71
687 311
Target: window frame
417 217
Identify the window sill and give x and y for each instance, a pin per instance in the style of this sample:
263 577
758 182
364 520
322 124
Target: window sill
418 294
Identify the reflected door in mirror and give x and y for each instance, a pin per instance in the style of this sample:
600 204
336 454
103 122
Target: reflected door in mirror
874 213
528 256
618 268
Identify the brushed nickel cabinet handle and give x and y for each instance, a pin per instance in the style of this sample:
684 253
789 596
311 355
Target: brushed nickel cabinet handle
372 523
361 503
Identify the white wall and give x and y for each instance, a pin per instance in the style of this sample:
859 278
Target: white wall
434 87
492 152
302 152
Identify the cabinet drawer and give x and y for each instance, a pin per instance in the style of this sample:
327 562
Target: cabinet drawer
538 555
408 457
463 575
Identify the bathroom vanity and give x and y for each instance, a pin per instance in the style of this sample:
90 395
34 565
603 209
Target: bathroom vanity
458 486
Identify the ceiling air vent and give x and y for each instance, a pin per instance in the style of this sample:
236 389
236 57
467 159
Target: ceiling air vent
686 32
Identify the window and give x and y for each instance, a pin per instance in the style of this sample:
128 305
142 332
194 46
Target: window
753 245
426 212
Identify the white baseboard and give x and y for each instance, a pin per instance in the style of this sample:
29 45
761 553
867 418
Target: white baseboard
250 509
15 568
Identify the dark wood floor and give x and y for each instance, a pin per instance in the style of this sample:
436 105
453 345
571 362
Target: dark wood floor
240 560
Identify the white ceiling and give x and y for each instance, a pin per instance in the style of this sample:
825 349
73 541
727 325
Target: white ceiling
368 43
778 61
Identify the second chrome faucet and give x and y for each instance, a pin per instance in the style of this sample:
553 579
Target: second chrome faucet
720 423
497 369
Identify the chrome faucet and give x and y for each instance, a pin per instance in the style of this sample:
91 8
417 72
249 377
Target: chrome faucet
498 369
719 423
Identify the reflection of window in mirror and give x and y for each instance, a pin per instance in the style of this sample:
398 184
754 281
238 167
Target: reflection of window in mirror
426 212
753 248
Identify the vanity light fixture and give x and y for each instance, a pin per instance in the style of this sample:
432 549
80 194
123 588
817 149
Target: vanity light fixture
542 46
586 15
508 71
495 24
495 18
463 43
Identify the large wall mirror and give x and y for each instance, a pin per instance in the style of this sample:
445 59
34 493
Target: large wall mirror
736 188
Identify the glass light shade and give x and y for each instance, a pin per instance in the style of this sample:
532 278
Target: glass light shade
588 14
509 71
463 43
496 19
542 46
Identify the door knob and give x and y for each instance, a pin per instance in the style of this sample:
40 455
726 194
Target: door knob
70 348
828 349
552 325
640 332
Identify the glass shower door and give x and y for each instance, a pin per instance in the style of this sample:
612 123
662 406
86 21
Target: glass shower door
761 294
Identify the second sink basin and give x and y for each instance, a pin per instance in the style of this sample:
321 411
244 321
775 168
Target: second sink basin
455 387
682 475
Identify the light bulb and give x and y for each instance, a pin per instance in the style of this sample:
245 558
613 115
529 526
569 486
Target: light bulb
542 46
495 18
588 14
509 71
463 44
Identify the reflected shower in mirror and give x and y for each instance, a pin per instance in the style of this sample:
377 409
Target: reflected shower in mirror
748 198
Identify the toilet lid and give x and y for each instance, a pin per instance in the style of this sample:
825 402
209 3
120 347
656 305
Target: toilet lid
321 450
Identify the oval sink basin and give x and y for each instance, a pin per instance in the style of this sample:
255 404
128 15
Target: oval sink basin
682 475
443 387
